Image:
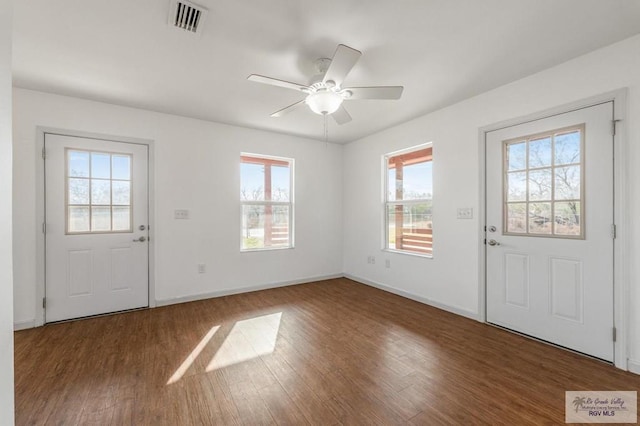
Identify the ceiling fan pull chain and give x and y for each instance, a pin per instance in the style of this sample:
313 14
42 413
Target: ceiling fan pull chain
326 128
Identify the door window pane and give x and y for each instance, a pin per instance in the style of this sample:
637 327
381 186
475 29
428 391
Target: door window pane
540 153
100 165
78 164
517 156
540 218
98 192
543 196
517 217
101 218
567 218
78 219
540 184
78 191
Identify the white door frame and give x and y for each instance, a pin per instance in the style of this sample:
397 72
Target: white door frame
620 216
40 209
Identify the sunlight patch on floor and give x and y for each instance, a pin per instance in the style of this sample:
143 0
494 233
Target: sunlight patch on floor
247 339
193 355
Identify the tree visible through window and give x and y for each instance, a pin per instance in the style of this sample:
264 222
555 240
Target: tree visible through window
267 202
408 200
544 184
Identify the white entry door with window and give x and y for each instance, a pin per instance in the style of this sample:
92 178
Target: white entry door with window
96 215
550 229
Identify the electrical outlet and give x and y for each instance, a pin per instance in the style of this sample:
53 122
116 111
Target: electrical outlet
465 213
202 268
181 214
373 260
387 263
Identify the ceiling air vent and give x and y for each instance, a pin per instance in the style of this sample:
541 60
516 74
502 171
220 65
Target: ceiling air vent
186 16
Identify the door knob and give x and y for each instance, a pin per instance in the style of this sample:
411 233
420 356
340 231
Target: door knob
493 243
140 240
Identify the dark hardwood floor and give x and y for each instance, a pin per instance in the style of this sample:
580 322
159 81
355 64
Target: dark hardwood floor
332 352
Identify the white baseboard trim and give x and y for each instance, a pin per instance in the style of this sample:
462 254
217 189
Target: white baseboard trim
453 309
248 289
23 325
633 366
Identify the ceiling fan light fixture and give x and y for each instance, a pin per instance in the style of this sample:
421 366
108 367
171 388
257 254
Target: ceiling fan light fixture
324 102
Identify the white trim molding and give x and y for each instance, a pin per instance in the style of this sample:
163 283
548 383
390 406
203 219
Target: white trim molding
24 324
621 286
634 366
247 289
439 305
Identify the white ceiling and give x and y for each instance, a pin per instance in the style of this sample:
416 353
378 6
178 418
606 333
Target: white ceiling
441 51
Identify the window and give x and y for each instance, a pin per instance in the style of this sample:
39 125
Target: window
408 200
544 184
266 195
98 192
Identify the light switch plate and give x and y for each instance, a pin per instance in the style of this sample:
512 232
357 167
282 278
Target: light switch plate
181 214
465 213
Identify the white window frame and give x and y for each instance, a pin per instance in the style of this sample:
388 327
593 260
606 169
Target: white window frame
289 203
386 203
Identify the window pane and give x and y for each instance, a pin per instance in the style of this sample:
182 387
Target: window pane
567 182
121 167
101 219
391 184
517 186
567 218
121 192
121 218
100 192
78 219
516 156
517 217
78 191
78 163
540 218
251 182
279 236
409 227
252 227
280 183
416 181
567 148
540 185
100 165
540 152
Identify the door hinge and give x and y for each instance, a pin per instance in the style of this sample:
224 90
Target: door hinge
613 231
615 334
613 126
44 153
44 227
44 303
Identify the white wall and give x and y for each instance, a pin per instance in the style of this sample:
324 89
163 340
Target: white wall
450 279
196 168
6 281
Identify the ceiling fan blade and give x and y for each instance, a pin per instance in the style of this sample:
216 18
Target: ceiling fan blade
343 60
288 109
341 115
275 82
380 92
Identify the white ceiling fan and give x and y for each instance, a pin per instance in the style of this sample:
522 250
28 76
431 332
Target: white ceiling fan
325 93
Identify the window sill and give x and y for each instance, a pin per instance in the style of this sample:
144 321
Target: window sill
265 249
408 253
